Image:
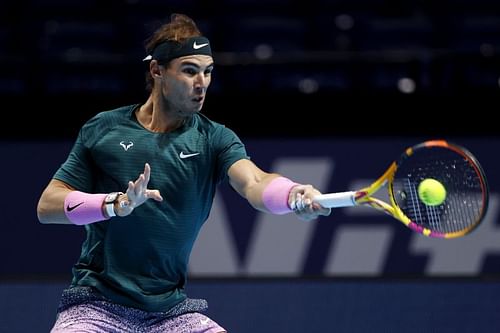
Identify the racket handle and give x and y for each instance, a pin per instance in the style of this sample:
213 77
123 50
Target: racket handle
334 200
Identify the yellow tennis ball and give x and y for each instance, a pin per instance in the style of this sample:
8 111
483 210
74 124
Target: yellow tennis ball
431 192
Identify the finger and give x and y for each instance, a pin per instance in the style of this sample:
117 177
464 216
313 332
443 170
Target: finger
147 173
320 209
130 190
154 194
299 203
139 185
325 211
130 195
130 187
138 181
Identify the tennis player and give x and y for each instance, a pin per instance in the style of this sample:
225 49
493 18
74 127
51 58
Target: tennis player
141 179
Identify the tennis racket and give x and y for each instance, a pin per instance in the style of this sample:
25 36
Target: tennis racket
453 166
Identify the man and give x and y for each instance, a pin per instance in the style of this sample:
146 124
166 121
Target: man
132 270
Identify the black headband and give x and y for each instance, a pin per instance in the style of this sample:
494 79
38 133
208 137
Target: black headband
169 49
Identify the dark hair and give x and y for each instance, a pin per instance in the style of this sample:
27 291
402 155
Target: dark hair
180 28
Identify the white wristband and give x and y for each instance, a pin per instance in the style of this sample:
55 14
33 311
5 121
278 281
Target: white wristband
110 209
109 203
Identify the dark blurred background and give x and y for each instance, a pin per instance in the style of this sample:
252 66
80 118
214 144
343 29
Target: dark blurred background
327 92
385 67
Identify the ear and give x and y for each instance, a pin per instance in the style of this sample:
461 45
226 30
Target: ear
154 69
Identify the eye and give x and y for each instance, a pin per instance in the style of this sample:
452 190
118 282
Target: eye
190 71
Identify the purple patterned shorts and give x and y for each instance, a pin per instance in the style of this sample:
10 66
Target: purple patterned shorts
101 316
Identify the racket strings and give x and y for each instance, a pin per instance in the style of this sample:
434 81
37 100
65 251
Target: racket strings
414 205
464 204
424 215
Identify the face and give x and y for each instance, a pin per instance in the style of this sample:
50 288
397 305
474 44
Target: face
184 83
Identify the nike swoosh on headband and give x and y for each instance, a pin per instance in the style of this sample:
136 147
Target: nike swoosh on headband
199 46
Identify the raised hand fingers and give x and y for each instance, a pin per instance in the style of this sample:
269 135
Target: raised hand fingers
137 191
154 194
147 173
141 183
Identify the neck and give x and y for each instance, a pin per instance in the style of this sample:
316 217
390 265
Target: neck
155 118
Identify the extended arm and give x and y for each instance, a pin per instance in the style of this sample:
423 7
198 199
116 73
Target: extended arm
273 193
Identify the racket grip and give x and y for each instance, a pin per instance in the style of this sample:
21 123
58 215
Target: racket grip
334 200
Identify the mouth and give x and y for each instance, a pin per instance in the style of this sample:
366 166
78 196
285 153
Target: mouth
198 99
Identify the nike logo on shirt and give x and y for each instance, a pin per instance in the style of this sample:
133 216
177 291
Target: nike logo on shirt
70 208
182 155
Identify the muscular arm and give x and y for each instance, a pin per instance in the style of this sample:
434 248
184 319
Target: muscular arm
251 182
50 207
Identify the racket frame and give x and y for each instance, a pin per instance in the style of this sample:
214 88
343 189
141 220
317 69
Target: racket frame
365 196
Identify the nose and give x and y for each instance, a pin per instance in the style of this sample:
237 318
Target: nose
200 83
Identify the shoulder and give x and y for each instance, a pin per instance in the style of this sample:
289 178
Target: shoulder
211 128
115 115
106 120
222 139
111 117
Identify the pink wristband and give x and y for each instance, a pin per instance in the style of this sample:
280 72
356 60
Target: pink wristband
84 208
275 195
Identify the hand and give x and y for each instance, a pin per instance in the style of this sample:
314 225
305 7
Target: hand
300 200
137 193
